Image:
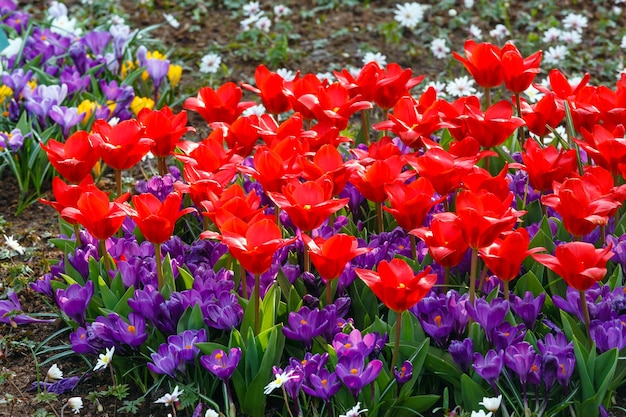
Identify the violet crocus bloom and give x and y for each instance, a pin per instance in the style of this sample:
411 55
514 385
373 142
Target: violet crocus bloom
353 372
221 364
609 334
462 353
166 361
506 334
519 358
346 343
13 140
489 316
43 285
528 308
16 81
157 69
66 117
11 312
305 325
488 367
618 249
96 41
404 374
75 83
323 385
61 386
438 325
223 312
185 343
73 301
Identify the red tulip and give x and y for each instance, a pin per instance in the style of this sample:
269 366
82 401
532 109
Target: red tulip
370 180
410 203
253 245
562 87
606 148
580 264
203 185
505 255
164 128
101 217
308 204
75 158
271 169
546 166
223 105
444 239
233 202
330 256
484 63
157 219
272 88
327 161
547 112
210 155
122 145
67 195
393 83
492 127
484 216
519 72
364 84
396 284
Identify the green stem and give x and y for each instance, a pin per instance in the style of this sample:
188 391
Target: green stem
244 281
118 182
257 303
365 127
379 216
104 254
329 291
77 234
159 265
162 165
446 278
413 247
487 98
520 130
505 285
583 305
473 271
396 343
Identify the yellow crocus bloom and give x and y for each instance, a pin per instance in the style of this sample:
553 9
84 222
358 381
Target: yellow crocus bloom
174 74
140 103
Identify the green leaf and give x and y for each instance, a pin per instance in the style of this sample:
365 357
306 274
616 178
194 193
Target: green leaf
440 363
472 392
582 357
122 308
109 299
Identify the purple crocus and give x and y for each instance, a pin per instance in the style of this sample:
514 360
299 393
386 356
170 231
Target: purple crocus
346 343
11 312
166 361
353 372
96 41
305 325
157 69
488 367
73 300
438 325
528 308
220 364
323 385
609 334
404 374
66 117
462 352
13 140
519 358
489 316
16 81
506 334
61 386
185 343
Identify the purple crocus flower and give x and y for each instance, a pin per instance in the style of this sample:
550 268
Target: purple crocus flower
353 372
488 367
166 361
11 312
185 343
462 352
7 6
438 325
404 374
323 385
157 69
346 343
61 386
150 303
519 358
223 312
75 83
73 300
609 334
43 285
17 80
132 333
506 334
549 367
158 186
96 41
18 20
489 316
40 101
305 325
13 140
220 364
528 309
66 117
535 374
618 249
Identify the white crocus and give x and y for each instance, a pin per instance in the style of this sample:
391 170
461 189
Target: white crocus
54 373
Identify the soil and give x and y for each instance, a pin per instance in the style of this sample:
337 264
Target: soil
343 32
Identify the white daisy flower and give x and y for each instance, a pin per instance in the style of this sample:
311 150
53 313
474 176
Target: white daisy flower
14 244
280 10
57 9
555 54
439 86
475 32
210 63
461 86
286 74
171 20
439 48
75 403
571 37
377 57
575 21
325 76
532 94
211 413
623 44
499 32
491 403
63 25
354 411
54 373
170 399
104 359
468 4
551 35
263 24
409 15
257 110
279 381
481 413
251 8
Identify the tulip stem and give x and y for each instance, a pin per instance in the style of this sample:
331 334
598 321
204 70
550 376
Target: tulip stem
118 182
365 127
396 343
379 216
77 234
159 265
583 305
104 254
162 166
520 130
329 291
244 281
487 98
473 267
257 303
413 247
307 259
505 286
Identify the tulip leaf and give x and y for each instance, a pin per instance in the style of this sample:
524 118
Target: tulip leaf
570 327
604 369
66 245
471 392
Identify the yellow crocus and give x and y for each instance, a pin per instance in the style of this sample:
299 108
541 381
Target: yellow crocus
140 103
174 74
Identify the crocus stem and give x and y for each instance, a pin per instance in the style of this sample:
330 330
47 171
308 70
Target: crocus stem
583 305
287 401
104 254
413 247
77 234
257 303
473 267
232 411
159 265
244 281
379 216
118 182
396 343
